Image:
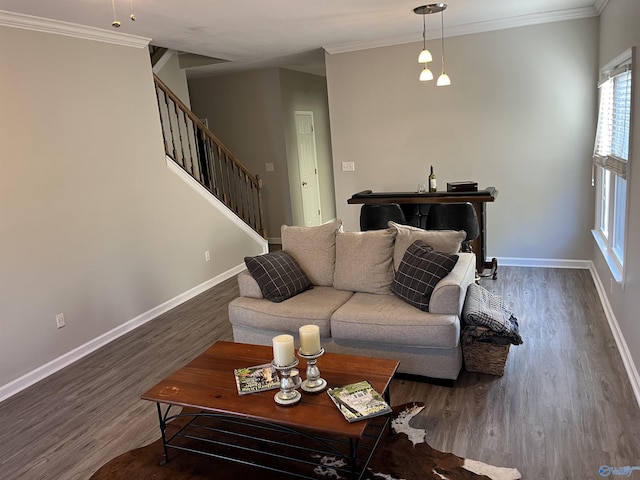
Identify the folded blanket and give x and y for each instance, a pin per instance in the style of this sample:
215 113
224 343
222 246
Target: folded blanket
483 308
474 333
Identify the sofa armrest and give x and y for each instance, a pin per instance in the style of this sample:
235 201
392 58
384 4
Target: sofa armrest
248 285
449 294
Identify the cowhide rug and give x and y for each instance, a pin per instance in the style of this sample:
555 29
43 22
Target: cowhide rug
403 455
407 456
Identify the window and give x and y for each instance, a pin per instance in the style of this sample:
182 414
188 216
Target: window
611 161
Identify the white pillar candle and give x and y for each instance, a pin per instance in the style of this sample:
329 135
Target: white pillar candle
283 350
309 339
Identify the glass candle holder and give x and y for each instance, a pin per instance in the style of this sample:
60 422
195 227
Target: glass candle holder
313 383
288 395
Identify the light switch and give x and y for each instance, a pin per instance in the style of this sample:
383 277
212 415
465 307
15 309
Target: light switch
348 166
268 167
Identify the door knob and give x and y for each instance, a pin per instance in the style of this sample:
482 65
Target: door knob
304 183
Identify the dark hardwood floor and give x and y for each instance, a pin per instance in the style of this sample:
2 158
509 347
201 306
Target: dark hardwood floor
563 408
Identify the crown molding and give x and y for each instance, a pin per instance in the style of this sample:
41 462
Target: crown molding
46 25
599 5
479 27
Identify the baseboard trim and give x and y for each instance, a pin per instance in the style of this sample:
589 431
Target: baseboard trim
543 263
623 348
78 353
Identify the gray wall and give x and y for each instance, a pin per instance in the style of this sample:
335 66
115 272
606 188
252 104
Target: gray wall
92 223
173 76
619 31
252 113
518 116
304 92
245 112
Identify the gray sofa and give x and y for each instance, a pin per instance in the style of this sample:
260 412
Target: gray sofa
352 303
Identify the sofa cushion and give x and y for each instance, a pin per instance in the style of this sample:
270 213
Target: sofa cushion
278 275
364 261
446 241
389 320
420 270
314 248
313 306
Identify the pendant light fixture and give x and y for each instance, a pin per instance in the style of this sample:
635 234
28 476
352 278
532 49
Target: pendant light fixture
116 23
426 74
425 56
443 79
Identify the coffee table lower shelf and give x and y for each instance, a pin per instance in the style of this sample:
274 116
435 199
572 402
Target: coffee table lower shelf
268 446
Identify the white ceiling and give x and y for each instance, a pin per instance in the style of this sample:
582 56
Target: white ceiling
293 33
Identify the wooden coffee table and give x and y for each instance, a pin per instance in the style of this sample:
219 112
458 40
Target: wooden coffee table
206 387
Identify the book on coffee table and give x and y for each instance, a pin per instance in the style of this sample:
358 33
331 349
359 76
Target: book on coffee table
358 401
256 379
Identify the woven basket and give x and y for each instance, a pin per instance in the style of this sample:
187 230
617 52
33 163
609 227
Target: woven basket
485 357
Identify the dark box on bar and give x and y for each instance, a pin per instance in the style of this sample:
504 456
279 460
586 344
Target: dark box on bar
462 186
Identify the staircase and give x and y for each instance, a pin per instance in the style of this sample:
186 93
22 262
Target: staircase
190 144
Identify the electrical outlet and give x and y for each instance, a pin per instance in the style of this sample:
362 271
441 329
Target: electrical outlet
60 320
268 167
348 166
207 257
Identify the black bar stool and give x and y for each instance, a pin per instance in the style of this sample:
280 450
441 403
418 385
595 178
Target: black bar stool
455 216
374 216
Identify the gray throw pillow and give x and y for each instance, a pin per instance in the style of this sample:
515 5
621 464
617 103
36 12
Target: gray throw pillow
364 261
278 275
419 272
314 248
445 241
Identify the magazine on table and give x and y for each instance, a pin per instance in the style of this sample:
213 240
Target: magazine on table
358 401
256 379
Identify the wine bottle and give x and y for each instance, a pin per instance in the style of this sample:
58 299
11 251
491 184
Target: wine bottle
432 181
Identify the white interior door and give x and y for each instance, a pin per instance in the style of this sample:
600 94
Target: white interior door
308 167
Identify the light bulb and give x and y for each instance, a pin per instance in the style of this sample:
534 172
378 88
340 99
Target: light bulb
443 80
425 56
426 75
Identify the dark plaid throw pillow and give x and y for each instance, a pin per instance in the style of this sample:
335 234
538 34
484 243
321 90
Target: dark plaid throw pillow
420 270
278 275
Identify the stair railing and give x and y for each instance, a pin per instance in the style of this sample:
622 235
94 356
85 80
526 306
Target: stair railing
203 156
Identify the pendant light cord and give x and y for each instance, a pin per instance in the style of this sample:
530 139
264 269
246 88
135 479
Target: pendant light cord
442 36
424 32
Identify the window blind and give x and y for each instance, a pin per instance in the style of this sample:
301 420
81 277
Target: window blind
611 150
